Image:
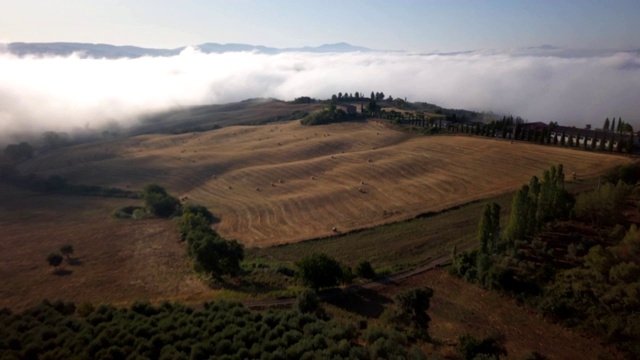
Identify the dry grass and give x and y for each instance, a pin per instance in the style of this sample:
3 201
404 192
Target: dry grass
322 169
459 307
116 261
396 246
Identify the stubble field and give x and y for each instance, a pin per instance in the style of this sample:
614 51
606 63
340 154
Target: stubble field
284 182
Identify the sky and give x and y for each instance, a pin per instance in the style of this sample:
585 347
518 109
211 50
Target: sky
410 25
475 55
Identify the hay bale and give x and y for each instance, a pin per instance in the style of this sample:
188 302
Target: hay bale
361 182
281 181
313 178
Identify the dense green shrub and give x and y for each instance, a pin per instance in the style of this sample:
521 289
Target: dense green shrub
489 348
319 270
628 174
159 202
364 270
129 212
602 207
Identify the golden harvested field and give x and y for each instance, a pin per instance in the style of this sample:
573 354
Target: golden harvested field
285 182
115 261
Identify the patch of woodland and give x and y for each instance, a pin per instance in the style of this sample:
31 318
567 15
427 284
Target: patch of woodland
574 257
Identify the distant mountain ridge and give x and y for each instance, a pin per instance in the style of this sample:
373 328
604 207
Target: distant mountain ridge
116 51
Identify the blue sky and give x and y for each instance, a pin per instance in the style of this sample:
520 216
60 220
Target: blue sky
390 25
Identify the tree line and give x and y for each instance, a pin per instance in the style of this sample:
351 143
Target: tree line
576 258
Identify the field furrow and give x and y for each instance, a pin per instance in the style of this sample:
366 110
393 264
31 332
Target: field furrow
285 182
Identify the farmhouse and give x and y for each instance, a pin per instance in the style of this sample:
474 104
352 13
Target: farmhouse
348 108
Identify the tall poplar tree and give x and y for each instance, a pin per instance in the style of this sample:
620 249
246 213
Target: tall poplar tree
517 224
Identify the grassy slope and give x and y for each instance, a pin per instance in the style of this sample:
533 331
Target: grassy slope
394 246
235 172
116 261
255 111
406 243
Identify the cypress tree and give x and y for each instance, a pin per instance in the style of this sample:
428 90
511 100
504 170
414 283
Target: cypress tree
619 143
594 140
610 147
606 125
613 125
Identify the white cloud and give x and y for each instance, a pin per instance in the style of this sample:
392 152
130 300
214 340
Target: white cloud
64 92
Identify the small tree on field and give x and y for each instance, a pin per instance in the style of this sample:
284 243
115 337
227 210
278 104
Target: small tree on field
319 270
54 259
307 301
413 305
66 250
365 270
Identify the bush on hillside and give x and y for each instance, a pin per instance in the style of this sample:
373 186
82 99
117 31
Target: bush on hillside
159 202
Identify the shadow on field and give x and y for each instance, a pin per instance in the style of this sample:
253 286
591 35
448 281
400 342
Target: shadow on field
251 286
62 272
75 262
363 302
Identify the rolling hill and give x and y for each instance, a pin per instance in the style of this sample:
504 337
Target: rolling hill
285 182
